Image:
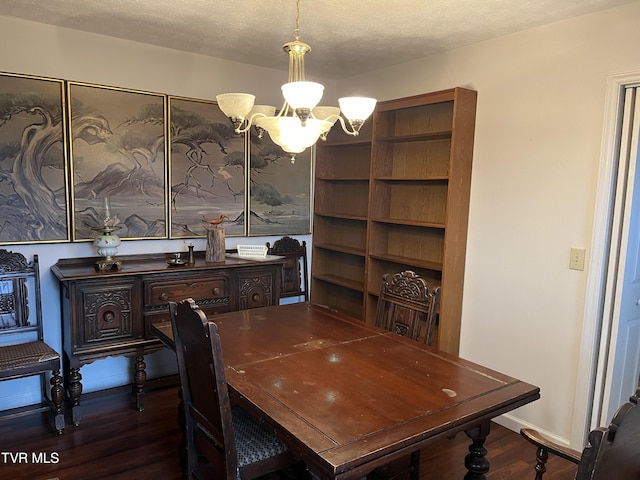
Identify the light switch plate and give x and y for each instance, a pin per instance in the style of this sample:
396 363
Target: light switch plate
576 258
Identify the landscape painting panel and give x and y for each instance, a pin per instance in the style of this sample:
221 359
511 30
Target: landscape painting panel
207 169
118 152
33 174
280 191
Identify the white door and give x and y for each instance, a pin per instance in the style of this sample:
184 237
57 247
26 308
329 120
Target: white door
623 365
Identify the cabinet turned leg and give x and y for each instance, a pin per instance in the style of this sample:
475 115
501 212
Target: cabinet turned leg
75 390
57 399
140 377
476 461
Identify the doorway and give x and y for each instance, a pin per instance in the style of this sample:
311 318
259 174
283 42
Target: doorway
608 366
621 371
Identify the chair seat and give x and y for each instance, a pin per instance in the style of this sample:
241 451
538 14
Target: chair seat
253 442
24 355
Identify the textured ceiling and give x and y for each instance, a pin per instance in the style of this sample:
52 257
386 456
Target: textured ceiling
347 36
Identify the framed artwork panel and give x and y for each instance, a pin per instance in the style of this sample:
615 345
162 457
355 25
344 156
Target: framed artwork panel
118 151
279 189
207 169
33 167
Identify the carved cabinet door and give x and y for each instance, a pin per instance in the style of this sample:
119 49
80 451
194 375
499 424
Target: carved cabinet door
108 313
258 288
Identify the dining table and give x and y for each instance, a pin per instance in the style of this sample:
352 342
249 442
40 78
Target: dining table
348 397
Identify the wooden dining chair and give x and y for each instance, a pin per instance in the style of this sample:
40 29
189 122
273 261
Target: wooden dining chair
295 277
223 442
23 351
406 307
612 453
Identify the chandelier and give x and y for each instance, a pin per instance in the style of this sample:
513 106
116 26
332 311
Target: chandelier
300 122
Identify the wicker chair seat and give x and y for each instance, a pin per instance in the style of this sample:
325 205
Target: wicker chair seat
25 355
253 441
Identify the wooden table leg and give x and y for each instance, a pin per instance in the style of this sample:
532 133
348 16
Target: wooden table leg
476 461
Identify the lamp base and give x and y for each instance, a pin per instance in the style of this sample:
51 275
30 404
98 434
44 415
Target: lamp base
106 264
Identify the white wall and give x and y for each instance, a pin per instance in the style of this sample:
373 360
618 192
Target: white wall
37 49
537 150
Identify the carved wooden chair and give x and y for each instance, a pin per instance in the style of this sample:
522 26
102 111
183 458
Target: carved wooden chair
295 282
406 307
223 442
612 453
23 352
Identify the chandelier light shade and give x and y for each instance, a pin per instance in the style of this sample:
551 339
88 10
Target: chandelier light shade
325 112
300 122
357 109
236 106
302 97
266 110
289 131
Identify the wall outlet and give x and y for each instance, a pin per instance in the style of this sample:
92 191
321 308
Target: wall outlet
576 258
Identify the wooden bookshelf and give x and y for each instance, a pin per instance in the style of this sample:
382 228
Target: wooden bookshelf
341 212
396 198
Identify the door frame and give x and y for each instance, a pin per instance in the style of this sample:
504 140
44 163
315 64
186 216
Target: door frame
598 321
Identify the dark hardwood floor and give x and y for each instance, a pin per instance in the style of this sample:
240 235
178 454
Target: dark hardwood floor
114 441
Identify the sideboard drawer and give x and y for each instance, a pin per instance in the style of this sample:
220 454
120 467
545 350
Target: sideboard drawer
202 288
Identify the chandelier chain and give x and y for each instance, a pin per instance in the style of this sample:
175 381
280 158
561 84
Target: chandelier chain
296 32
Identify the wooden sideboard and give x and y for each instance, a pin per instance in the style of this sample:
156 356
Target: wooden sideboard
108 314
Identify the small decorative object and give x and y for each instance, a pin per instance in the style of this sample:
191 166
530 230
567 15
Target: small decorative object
216 221
192 259
107 242
252 251
176 261
216 248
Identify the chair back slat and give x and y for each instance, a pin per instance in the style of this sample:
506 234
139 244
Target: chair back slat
20 303
407 307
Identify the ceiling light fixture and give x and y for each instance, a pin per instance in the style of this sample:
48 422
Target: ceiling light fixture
300 122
